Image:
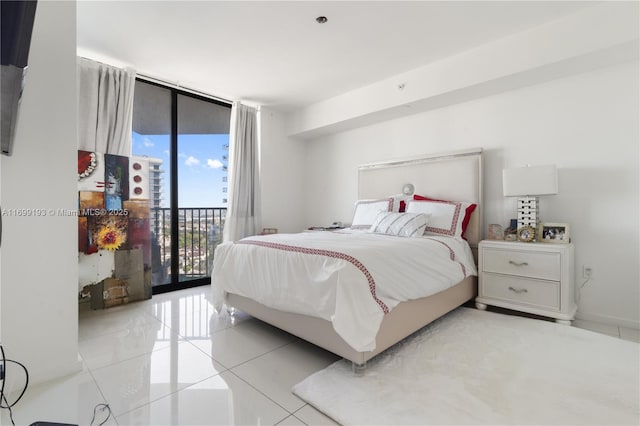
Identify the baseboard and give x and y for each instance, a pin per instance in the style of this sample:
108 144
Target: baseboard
604 319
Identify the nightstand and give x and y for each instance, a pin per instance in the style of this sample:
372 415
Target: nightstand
537 278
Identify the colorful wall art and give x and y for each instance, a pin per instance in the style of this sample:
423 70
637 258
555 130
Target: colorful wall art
114 242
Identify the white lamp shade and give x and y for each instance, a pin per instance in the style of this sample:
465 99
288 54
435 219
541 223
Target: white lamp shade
532 180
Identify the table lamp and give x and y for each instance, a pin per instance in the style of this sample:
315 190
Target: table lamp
527 183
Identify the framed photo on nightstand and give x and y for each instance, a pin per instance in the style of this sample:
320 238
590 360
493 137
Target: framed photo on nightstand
556 233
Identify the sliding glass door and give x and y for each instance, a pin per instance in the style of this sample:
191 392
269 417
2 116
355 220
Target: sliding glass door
183 140
203 148
151 146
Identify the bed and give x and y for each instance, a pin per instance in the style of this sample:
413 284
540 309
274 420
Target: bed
350 262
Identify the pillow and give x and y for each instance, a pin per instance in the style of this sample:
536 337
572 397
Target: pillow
400 202
367 210
400 224
467 214
446 216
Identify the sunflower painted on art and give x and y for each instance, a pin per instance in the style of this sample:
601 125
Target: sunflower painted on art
110 238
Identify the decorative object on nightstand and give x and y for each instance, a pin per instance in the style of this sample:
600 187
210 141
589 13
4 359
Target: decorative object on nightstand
531 277
495 232
557 233
510 234
526 233
527 183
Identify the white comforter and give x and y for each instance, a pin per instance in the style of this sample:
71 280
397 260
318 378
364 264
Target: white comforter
351 278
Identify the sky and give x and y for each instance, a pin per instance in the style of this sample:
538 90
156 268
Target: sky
200 167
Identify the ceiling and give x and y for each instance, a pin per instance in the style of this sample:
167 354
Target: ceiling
275 53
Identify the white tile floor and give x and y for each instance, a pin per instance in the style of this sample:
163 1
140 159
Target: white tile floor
172 360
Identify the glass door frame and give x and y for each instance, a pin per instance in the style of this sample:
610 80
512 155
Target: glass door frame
175 283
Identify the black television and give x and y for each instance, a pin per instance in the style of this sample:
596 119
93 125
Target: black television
17 26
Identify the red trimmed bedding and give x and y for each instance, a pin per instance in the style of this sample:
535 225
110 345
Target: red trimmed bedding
351 278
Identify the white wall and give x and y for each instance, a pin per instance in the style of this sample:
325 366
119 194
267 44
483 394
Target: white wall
283 177
39 304
586 124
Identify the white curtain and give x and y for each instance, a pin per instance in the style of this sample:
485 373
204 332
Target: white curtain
244 174
105 107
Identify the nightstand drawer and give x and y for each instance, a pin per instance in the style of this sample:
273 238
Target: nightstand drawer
542 265
544 294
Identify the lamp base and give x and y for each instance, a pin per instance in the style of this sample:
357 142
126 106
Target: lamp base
527 208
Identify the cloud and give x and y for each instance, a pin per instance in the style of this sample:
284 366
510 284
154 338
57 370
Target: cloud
147 142
214 164
191 161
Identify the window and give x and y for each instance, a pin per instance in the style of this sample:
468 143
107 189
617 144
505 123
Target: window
183 140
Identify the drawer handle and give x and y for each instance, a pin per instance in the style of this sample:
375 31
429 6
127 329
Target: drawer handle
518 290
511 262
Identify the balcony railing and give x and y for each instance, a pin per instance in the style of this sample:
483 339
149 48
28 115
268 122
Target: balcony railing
199 233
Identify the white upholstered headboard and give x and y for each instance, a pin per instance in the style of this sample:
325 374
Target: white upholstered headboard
455 176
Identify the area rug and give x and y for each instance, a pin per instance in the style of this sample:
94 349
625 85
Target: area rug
475 367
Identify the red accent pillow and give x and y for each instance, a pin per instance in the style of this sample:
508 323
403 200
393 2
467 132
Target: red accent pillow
399 203
467 214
